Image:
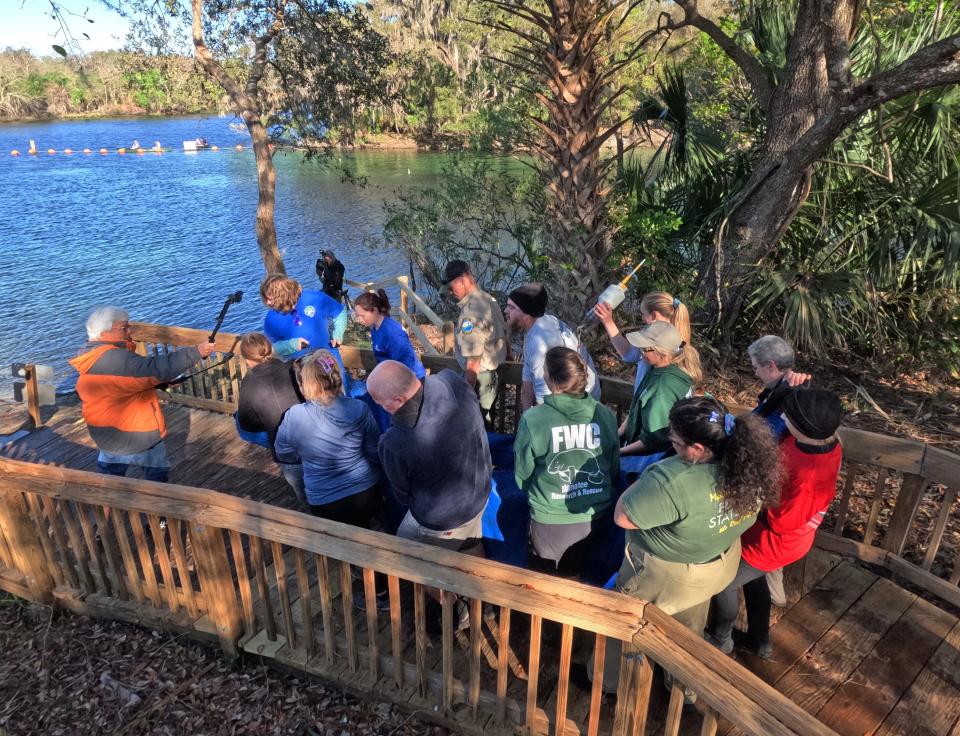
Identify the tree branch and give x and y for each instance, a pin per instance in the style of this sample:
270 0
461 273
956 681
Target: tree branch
935 65
245 105
748 63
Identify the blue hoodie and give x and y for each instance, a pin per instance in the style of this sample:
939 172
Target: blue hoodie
337 445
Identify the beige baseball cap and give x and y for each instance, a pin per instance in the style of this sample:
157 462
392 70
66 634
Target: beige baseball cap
658 334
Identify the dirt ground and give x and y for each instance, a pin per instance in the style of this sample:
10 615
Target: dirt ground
67 675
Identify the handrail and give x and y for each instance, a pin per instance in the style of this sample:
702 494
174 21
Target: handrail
406 294
25 489
901 471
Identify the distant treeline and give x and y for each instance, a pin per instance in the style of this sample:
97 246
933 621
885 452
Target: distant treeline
105 82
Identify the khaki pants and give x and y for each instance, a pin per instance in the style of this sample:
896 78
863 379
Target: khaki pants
681 590
488 385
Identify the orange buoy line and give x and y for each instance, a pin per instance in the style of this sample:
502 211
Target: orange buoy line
33 150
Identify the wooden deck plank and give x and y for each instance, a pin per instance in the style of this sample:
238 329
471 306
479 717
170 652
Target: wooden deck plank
840 650
931 707
811 618
861 702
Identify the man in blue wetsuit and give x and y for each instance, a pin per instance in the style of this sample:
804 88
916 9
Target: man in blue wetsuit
303 314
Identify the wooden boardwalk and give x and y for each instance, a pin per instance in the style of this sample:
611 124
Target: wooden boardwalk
862 654
203 447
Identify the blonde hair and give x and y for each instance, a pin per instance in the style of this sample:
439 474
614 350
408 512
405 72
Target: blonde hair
283 291
255 347
320 377
686 359
671 308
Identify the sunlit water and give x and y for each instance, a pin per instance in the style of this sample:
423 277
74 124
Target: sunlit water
168 236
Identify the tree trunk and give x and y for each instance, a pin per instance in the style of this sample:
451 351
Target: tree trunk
577 230
266 203
816 79
244 102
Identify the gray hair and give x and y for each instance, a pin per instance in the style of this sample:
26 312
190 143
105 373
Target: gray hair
771 348
101 319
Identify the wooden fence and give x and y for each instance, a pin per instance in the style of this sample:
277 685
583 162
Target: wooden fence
283 585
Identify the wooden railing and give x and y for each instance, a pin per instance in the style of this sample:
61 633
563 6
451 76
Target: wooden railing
405 313
283 585
885 484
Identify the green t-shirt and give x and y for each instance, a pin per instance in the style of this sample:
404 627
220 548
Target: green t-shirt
680 515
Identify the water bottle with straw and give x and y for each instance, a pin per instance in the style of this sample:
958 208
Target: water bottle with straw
612 295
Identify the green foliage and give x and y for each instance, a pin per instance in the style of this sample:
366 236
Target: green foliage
102 82
148 88
485 212
871 263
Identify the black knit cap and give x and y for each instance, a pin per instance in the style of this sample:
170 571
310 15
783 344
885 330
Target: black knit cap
531 298
815 412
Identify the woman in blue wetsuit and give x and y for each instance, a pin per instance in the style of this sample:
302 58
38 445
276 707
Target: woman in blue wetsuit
390 342
298 313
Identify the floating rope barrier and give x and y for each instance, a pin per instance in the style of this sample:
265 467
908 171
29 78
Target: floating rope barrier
33 151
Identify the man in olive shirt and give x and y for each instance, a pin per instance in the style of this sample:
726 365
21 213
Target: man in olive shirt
481 342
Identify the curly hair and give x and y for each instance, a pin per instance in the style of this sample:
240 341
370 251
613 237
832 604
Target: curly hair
745 449
282 291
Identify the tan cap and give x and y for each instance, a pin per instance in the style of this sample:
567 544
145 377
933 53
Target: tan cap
658 334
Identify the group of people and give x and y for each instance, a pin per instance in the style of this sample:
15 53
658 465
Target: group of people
710 503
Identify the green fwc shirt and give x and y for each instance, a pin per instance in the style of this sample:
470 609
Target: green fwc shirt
480 332
680 513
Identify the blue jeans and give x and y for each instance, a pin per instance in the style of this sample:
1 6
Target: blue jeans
153 461
160 475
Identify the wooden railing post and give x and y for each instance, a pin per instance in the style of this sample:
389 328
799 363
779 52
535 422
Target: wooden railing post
633 692
21 536
33 396
216 583
904 512
404 281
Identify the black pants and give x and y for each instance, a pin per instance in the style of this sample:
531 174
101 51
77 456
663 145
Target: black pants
359 509
756 594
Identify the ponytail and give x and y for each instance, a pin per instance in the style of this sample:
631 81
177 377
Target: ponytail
748 461
672 309
688 359
374 301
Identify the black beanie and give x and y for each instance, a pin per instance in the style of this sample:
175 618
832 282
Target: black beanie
531 298
815 412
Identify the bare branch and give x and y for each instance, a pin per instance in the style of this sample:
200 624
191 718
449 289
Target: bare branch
747 62
936 65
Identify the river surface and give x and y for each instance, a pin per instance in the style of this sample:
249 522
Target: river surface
167 236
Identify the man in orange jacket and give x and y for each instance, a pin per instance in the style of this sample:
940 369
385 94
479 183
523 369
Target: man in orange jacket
118 391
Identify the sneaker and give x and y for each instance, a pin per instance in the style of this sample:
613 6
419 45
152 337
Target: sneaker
744 642
724 645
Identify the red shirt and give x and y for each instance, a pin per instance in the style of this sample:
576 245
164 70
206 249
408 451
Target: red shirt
785 533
